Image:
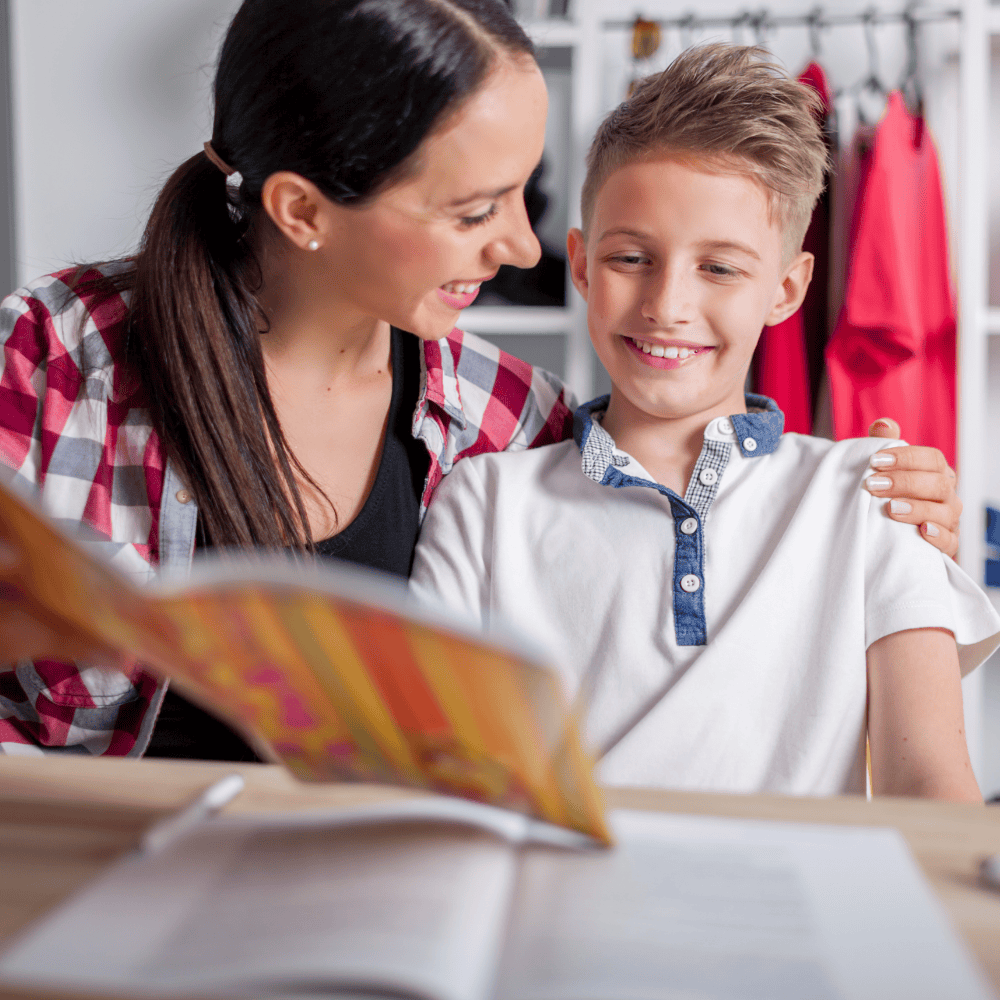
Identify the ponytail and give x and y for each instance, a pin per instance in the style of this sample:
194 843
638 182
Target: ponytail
195 327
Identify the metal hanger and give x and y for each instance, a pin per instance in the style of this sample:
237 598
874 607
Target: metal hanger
870 90
912 87
814 22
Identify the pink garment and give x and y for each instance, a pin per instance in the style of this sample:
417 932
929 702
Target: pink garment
788 359
893 351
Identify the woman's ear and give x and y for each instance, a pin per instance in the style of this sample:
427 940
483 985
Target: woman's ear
576 249
294 205
792 289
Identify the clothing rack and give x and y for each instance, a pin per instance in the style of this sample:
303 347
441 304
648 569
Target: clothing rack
817 20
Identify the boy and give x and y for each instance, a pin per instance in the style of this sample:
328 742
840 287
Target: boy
739 613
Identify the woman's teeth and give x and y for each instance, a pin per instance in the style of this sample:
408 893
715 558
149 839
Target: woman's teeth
461 288
659 351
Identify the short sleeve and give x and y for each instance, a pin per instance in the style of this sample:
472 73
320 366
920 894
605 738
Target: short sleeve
452 562
910 584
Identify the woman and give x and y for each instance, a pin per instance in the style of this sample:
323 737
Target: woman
245 381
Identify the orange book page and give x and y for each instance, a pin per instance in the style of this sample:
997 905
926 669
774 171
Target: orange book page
335 677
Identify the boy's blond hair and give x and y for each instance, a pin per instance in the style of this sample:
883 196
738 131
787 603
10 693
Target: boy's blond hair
725 108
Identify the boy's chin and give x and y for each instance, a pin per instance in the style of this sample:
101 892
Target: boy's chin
673 407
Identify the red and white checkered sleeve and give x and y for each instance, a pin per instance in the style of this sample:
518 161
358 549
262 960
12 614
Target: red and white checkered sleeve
514 404
49 424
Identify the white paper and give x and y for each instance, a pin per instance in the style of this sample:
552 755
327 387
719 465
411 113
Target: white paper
413 910
708 909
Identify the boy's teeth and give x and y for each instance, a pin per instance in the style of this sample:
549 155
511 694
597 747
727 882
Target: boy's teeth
460 288
659 351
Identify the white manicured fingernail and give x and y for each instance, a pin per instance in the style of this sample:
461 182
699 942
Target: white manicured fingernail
883 460
931 529
900 507
878 483
8 556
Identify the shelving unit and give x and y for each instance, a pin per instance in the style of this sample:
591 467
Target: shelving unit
977 321
581 37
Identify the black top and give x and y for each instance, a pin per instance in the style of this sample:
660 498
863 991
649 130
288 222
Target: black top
382 536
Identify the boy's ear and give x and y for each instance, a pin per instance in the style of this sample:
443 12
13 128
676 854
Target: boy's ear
576 249
792 289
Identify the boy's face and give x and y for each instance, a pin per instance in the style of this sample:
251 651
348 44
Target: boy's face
682 270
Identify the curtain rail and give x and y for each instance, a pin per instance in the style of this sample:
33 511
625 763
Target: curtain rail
816 20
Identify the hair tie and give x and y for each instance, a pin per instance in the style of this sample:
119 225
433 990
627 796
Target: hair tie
218 160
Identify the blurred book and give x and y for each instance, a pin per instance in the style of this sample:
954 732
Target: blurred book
334 671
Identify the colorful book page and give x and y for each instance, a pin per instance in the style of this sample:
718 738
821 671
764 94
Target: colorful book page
341 690
337 686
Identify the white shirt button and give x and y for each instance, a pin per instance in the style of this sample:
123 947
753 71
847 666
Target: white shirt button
690 583
707 477
183 496
725 425
749 444
689 525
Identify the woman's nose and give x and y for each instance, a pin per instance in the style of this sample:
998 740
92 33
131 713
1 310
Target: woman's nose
518 245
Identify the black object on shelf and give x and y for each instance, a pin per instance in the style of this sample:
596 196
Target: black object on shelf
542 285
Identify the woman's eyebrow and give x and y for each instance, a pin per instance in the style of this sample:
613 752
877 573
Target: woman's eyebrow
481 195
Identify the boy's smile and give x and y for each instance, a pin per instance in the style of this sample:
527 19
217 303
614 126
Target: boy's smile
664 354
682 270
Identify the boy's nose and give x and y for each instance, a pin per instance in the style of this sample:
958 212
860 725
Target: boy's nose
668 299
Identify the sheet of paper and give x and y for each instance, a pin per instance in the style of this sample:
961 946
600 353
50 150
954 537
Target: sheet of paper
403 910
707 909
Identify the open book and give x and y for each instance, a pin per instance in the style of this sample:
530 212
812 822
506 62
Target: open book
439 899
331 670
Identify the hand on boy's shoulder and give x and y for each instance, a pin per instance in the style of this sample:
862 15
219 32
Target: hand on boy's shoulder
921 485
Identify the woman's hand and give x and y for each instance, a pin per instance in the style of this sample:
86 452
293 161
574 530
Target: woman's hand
922 486
29 635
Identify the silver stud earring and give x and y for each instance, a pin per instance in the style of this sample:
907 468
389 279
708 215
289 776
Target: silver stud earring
313 244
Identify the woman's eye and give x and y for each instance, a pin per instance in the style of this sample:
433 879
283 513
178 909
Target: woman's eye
478 220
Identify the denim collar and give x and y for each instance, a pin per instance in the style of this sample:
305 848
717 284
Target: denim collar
762 424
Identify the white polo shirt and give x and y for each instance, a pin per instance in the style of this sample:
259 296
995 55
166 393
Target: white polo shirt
724 631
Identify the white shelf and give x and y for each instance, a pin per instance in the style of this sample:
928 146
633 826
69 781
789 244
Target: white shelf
549 34
993 19
991 321
517 319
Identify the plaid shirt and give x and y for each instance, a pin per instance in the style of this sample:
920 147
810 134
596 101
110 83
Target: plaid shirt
74 430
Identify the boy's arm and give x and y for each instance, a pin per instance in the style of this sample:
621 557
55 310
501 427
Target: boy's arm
916 730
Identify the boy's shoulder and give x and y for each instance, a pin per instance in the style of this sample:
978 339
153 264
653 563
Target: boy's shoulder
803 451
513 468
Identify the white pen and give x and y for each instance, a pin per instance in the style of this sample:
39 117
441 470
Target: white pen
164 833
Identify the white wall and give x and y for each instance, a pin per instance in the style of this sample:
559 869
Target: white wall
109 96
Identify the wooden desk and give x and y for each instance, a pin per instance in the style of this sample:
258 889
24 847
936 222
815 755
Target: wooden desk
63 819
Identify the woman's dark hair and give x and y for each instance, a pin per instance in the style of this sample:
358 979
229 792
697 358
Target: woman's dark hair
342 92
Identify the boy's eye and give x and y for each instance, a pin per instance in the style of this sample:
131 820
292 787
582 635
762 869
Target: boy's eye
630 259
720 270
477 220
